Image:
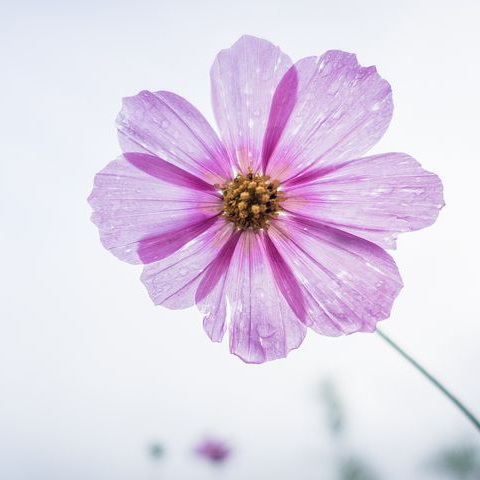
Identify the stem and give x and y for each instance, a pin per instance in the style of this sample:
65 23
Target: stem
433 380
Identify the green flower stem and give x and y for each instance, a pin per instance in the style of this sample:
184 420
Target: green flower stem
433 380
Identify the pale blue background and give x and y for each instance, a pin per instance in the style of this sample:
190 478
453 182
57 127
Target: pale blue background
91 371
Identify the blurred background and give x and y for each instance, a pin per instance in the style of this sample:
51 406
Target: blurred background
97 383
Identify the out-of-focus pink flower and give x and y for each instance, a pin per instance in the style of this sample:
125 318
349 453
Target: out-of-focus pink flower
214 450
282 222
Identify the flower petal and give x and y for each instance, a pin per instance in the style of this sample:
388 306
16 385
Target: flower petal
211 300
285 280
166 125
244 78
349 284
217 268
160 245
375 198
174 280
214 308
262 326
210 296
140 202
341 110
167 172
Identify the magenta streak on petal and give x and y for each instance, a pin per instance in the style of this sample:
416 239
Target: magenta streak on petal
374 198
167 126
353 282
262 325
311 175
283 104
158 168
317 313
244 78
156 247
173 281
342 110
191 118
285 280
130 205
217 268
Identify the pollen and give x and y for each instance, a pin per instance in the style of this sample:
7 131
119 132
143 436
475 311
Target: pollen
251 201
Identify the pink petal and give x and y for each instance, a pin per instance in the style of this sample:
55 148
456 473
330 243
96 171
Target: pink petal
138 197
211 293
285 279
216 451
173 281
283 104
167 126
160 245
341 110
214 308
167 172
244 78
375 197
218 267
349 284
262 326
210 296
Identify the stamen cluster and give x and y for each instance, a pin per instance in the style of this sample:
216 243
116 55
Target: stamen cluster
251 201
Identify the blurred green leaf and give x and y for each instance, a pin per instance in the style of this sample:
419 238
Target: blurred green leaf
156 451
356 469
460 462
333 406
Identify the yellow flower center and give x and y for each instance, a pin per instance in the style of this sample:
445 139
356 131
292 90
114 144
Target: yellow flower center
251 201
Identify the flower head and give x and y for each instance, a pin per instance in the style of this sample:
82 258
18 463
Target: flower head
215 451
282 222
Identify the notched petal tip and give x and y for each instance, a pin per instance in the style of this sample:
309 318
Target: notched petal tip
246 358
267 353
341 110
248 41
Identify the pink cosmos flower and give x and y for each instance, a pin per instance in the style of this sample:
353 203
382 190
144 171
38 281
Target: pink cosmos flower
280 225
214 450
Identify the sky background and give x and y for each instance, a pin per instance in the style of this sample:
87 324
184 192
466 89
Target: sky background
91 371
